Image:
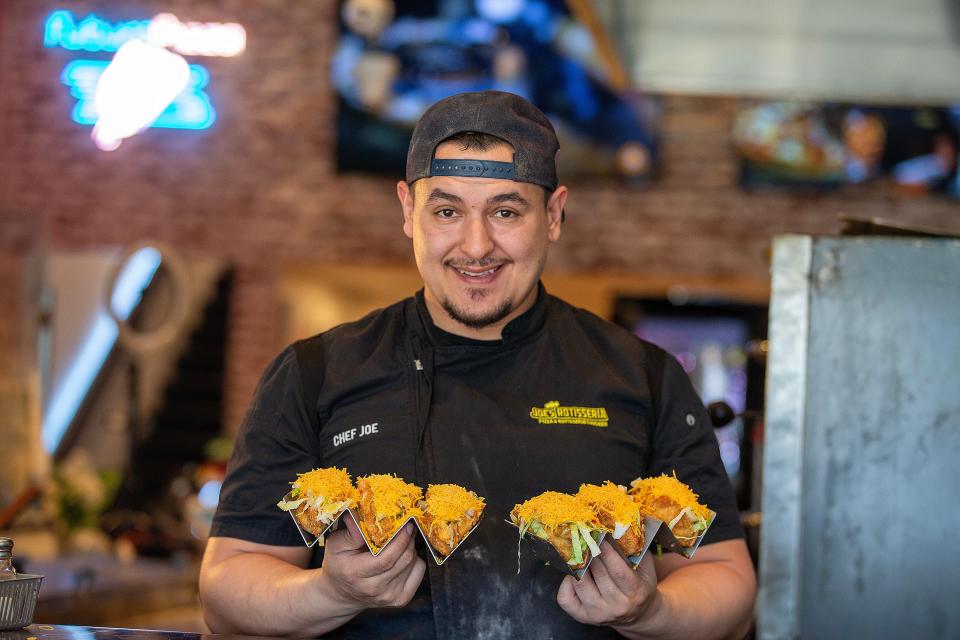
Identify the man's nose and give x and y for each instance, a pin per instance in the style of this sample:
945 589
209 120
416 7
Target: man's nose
477 242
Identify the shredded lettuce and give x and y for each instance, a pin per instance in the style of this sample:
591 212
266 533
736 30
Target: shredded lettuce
577 556
523 529
539 531
619 529
588 538
336 508
290 505
674 522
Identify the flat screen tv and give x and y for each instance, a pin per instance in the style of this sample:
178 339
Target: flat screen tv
817 145
395 58
720 345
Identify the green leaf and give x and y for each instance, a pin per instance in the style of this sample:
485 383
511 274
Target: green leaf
577 556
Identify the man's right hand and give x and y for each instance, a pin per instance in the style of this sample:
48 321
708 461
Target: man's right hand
359 580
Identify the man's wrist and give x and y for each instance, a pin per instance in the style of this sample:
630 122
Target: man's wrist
338 603
648 621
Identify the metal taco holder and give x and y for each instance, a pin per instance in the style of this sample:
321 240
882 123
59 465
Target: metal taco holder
550 556
438 559
668 541
18 599
433 552
651 527
310 539
655 531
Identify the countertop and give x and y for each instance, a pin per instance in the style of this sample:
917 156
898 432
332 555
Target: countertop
66 632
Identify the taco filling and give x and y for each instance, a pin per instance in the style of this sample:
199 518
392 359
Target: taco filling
563 521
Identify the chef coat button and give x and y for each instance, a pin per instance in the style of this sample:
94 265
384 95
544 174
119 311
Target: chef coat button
691 420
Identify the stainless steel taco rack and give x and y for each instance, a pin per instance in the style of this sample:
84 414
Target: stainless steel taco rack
310 540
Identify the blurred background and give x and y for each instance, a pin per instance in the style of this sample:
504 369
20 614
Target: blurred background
186 186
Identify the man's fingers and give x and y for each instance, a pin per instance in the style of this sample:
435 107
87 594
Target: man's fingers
394 587
587 591
389 555
601 575
396 574
647 571
412 582
353 535
569 601
614 572
347 539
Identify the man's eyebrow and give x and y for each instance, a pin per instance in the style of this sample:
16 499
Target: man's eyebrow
510 196
439 194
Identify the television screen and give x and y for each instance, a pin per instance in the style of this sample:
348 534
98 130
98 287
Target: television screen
396 58
826 145
712 350
717 344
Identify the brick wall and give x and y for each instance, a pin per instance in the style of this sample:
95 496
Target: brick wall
260 188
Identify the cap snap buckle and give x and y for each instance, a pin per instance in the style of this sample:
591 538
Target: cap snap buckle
473 168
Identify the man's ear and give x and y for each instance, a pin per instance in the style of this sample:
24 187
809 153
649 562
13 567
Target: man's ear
555 206
405 194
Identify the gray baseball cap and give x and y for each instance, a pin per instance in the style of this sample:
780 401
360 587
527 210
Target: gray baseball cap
497 113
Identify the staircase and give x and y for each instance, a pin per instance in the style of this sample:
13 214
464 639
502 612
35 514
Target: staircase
190 412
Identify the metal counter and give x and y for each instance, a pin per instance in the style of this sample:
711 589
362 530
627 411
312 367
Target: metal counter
862 440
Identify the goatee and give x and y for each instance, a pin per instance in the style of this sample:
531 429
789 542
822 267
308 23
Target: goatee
477 321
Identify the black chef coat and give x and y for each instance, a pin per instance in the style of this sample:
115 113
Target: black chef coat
563 398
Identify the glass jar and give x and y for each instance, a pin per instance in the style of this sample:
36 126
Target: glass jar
7 572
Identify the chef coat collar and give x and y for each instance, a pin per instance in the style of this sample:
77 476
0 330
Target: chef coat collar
527 323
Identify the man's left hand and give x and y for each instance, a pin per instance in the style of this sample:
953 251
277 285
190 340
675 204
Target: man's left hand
610 592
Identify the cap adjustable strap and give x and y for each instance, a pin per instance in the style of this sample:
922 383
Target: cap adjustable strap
473 169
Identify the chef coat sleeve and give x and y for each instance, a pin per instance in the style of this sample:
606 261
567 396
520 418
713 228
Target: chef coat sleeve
276 442
684 442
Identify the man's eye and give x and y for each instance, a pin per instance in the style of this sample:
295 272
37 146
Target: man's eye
505 213
446 213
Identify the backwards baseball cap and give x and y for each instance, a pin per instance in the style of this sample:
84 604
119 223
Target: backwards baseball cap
497 113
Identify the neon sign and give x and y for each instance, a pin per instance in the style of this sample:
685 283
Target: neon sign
91 33
164 30
148 83
190 109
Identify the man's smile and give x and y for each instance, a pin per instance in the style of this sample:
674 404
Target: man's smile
474 275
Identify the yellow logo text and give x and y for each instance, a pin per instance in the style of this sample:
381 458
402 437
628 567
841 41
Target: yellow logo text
553 413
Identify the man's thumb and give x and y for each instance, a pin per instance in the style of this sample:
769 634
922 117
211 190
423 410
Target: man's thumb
354 536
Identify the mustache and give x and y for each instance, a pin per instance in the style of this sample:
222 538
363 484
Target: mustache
467 263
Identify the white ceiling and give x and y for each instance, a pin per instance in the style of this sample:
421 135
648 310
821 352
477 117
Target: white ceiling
899 51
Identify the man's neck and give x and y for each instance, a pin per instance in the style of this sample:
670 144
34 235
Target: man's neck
492 331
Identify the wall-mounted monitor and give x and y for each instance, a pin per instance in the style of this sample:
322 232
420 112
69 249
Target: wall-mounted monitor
720 346
396 58
798 144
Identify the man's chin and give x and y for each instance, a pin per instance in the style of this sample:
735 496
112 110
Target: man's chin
474 318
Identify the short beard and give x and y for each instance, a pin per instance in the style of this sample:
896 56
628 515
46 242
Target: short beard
478 322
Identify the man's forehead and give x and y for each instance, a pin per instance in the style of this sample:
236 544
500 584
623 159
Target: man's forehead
453 188
454 150
434 188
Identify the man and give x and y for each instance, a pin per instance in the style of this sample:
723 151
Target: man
448 384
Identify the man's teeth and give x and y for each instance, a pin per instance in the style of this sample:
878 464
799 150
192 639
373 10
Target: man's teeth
477 275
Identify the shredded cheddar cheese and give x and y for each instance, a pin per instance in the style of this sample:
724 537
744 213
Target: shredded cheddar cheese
646 490
609 498
392 497
332 484
449 502
553 510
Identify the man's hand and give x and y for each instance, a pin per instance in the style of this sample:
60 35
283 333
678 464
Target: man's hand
708 596
610 592
256 589
358 580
